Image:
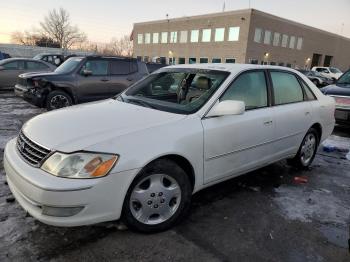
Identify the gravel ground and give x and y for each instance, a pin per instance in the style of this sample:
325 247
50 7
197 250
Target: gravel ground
261 216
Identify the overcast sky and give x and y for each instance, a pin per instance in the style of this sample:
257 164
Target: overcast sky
103 19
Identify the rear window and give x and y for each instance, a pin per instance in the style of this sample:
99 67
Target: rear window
120 67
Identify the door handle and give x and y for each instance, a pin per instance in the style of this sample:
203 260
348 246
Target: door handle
267 123
307 113
129 79
104 80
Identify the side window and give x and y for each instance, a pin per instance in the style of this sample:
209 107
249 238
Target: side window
249 87
308 92
11 66
35 65
120 67
286 88
97 67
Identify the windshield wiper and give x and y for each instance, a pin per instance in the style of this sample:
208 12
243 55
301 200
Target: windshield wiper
140 102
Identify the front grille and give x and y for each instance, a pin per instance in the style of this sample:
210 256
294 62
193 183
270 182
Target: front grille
31 152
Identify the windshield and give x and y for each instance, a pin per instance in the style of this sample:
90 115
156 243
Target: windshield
182 91
335 70
69 65
344 79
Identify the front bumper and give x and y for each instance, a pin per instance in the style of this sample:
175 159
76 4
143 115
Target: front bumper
30 95
102 199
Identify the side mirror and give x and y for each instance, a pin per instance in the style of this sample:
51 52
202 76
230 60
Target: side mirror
228 107
2 68
86 72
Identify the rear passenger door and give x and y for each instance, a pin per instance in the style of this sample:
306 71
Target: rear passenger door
292 113
123 74
9 75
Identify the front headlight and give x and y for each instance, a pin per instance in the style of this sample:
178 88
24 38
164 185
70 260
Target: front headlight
79 165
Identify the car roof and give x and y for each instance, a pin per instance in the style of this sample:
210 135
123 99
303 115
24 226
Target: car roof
25 59
233 68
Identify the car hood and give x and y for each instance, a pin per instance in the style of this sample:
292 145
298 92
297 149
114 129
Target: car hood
78 127
337 89
38 74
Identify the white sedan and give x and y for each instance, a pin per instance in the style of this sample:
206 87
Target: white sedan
142 154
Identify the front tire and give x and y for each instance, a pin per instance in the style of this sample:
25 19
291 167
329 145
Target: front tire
307 150
158 198
58 99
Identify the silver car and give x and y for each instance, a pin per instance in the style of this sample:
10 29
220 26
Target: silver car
12 67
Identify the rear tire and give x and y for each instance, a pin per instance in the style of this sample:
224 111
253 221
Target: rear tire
58 99
158 198
307 150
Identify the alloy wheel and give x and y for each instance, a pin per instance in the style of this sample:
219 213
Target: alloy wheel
308 149
155 199
59 101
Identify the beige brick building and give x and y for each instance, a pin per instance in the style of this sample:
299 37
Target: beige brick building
242 36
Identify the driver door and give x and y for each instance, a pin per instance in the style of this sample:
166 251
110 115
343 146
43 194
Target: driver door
234 144
94 86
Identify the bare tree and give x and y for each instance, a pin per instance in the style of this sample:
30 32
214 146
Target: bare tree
122 46
24 38
57 26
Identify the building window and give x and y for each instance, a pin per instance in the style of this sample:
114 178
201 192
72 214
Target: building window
162 60
300 43
230 60
289 65
183 37
253 61
139 38
164 39
257 35
281 64
284 40
216 60
194 36
219 34
203 60
173 37
206 35
267 37
292 42
192 60
276 39
147 38
172 60
182 60
233 34
272 63
155 38
139 58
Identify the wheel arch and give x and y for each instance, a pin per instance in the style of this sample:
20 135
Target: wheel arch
318 128
53 87
181 161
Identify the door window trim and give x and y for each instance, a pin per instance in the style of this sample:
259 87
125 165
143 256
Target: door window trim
269 93
272 90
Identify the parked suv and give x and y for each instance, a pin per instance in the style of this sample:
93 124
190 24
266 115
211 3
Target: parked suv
79 80
332 72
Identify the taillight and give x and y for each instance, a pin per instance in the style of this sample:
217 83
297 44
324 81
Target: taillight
342 101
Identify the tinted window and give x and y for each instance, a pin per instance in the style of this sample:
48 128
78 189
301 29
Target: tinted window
119 67
250 88
286 88
344 79
15 65
35 65
97 67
